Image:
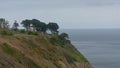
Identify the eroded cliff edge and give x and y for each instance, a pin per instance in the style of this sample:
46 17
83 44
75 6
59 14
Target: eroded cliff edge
41 51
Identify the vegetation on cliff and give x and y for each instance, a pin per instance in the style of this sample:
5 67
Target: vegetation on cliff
35 48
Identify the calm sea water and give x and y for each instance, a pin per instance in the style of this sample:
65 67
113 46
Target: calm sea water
100 46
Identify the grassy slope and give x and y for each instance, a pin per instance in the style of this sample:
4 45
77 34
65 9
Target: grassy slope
43 51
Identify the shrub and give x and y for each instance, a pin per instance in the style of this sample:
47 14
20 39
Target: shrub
64 36
53 40
22 31
8 49
32 33
6 32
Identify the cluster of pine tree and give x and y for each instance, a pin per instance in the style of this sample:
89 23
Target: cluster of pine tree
33 25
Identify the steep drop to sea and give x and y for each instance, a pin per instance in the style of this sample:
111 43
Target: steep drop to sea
42 51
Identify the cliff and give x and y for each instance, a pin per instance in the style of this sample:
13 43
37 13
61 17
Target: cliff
41 51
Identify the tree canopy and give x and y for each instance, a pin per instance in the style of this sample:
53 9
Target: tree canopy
64 36
32 25
26 23
15 25
53 27
38 25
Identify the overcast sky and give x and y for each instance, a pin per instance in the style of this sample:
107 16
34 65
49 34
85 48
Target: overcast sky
67 13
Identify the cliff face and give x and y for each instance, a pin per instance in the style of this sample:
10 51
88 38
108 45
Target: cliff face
43 51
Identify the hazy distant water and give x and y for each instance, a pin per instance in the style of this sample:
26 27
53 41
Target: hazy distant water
100 46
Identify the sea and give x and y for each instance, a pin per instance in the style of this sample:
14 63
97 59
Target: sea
101 47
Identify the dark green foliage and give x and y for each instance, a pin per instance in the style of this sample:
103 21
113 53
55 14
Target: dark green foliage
41 27
57 41
26 23
53 27
64 36
32 33
35 24
15 26
53 40
71 59
22 31
68 41
31 25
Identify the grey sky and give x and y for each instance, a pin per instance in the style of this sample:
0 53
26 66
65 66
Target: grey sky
67 13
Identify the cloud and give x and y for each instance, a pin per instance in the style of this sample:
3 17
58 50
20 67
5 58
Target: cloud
54 4
76 13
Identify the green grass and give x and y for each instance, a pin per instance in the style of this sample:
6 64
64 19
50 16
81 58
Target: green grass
32 33
13 52
18 55
53 40
72 55
8 49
